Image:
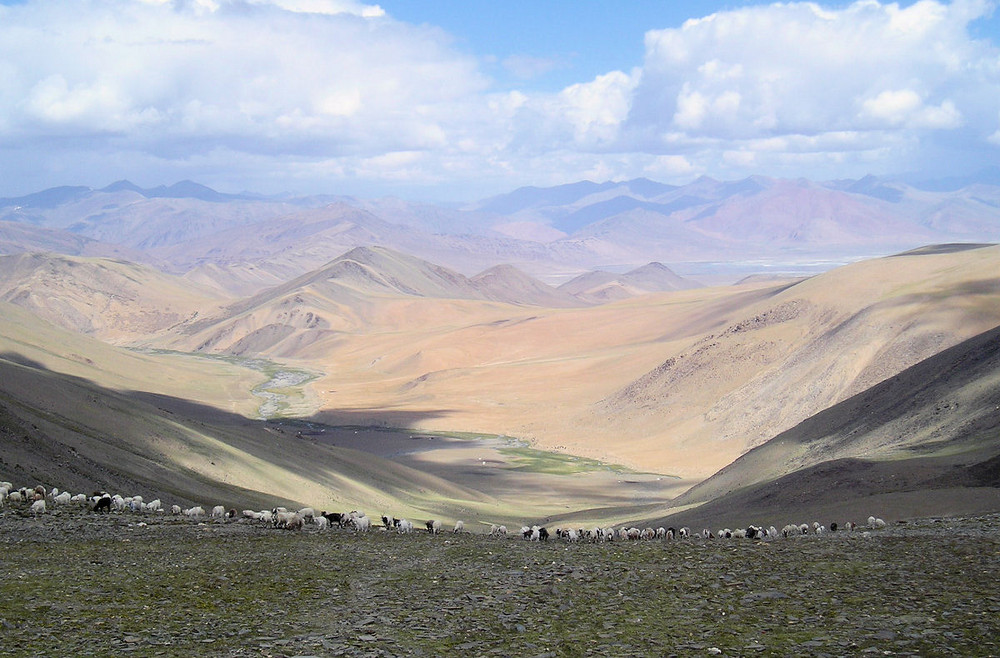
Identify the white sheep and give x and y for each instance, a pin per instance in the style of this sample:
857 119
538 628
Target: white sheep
459 526
308 514
360 522
175 509
62 498
195 512
218 512
282 519
404 527
322 523
154 505
433 526
38 507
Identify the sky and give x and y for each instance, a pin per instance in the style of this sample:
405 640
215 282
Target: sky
455 100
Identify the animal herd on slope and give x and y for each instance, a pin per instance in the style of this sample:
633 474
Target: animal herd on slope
37 500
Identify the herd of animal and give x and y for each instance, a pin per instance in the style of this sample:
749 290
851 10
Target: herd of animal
38 500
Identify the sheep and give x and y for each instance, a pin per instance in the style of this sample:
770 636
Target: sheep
360 522
459 526
175 509
875 523
433 526
536 533
282 519
62 499
498 531
154 506
685 532
135 504
101 503
218 512
308 514
292 520
15 496
388 522
195 512
38 507
322 523
404 527
661 533
335 517
79 498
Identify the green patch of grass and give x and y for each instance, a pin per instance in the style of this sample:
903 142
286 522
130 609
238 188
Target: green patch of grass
554 463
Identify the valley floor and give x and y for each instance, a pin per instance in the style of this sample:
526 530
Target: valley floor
79 584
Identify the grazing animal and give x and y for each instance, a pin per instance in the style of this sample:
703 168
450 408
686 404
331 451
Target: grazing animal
459 526
433 526
102 503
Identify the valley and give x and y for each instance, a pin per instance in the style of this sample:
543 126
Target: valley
381 377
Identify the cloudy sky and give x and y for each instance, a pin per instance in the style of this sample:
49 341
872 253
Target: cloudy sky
462 99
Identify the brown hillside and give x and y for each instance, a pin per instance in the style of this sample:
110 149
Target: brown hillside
932 426
114 300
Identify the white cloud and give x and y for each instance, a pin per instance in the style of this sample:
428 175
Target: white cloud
288 91
899 78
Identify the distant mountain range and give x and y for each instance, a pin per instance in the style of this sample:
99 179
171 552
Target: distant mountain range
553 233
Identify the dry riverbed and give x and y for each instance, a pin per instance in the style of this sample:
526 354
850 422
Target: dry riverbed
76 584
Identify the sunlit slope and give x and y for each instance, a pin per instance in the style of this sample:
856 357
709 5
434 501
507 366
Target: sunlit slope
25 338
80 414
679 383
781 360
114 300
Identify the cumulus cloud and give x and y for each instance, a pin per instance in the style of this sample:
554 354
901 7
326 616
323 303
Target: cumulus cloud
307 94
890 74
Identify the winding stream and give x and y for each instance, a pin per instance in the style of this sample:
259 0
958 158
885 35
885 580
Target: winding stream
272 400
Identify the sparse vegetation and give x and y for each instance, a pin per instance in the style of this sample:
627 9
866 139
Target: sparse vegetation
77 584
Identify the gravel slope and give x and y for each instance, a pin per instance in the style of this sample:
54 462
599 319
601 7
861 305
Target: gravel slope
78 584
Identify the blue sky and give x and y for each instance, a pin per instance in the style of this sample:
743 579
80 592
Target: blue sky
454 100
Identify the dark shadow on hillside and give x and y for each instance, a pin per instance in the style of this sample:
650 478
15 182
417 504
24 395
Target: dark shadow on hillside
852 489
66 431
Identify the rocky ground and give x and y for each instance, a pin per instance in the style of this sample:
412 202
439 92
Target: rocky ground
76 584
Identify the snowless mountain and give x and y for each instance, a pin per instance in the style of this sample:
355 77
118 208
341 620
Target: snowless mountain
243 242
